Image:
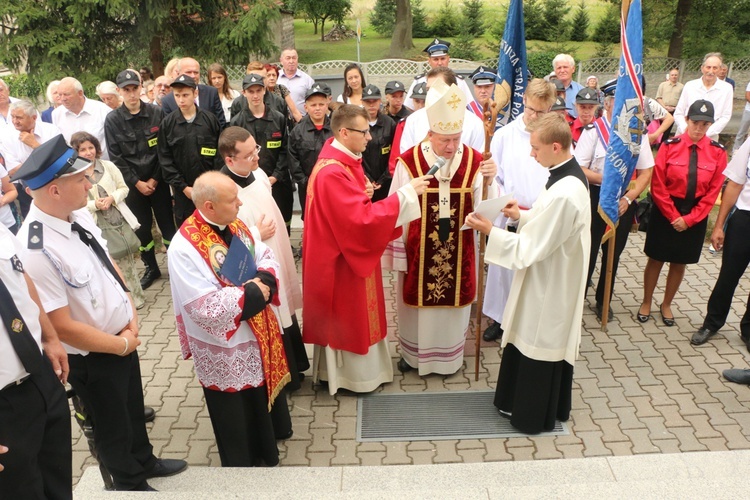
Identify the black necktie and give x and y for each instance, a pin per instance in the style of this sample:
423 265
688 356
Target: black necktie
89 240
20 337
692 181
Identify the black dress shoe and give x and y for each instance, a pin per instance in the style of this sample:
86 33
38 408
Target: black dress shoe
143 487
285 436
701 336
403 366
667 321
152 274
149 413
737 376
493 332
167 467
504 414
746 341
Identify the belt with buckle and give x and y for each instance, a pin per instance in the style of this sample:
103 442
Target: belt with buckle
17 382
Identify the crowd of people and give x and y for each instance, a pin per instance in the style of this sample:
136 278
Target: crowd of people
386 180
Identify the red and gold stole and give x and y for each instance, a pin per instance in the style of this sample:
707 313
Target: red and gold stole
265 325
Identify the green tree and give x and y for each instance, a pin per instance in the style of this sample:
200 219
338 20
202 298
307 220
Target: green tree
446 22
53 38
464 47
419 26
383 17
608 28
557 26
473 14
402 30
533 20
540 63
318 12
580 24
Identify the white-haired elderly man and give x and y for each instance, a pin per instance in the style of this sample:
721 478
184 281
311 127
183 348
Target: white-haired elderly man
5 101
565 68
78 113
27 134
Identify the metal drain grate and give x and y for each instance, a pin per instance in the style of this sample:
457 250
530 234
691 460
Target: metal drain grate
431 416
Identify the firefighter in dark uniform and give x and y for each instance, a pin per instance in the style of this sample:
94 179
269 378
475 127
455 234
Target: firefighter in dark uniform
132 135
188 145
395 92
268 128
375 157
307 139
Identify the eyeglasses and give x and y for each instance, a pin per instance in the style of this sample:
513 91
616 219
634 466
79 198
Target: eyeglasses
535 111
363 132
251 157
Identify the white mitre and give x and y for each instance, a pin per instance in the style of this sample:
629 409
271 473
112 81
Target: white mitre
446 108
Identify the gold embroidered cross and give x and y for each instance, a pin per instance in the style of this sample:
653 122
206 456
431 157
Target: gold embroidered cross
453 103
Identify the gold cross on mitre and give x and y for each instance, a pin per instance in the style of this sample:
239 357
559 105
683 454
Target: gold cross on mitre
454 101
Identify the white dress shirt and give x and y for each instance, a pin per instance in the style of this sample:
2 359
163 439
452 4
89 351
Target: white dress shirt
16 152
90 119
720 95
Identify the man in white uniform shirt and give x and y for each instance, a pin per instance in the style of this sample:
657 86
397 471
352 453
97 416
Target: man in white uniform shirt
437 51
522 175
83 293
710 88
417 124
79 113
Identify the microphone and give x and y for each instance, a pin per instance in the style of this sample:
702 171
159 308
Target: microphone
436 166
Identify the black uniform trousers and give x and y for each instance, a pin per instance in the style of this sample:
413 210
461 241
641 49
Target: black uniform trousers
35 426
245 430
160 202
110 387
598 226
183 208
283 195
734 261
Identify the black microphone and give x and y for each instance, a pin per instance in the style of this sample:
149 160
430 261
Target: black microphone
436 166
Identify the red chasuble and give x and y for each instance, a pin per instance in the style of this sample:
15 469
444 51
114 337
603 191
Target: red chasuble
265 325
344 237
441 273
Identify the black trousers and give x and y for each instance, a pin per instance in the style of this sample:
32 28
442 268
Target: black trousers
283 194
597 229
302 195
621 239
245 431
110 387
734 261
35 426
145 208
183 208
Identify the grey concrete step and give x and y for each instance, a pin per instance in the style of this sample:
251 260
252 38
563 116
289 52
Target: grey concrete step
663 476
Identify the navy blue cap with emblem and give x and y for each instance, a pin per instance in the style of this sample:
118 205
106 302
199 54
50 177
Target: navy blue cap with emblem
52 160
701 111
437 48
419 91
252 79
483 76
184 81
127 77
370 93
317 89
608 88
394 86
559 105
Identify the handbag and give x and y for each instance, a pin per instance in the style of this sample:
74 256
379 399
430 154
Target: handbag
121 239
643 212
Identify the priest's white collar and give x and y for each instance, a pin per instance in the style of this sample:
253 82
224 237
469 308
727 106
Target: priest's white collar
559 165
220 226
336 144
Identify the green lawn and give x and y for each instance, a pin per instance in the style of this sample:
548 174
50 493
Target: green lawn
375 47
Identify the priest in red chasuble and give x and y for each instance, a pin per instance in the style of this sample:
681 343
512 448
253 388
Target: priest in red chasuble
344 237
435 259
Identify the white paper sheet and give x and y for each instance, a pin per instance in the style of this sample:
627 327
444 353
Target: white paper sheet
490 209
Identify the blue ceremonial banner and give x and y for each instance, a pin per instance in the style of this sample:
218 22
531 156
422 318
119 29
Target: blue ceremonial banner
627 116
512 70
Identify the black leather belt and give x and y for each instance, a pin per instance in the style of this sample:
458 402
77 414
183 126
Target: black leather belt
17 382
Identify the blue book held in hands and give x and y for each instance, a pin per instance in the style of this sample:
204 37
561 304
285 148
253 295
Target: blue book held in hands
239 264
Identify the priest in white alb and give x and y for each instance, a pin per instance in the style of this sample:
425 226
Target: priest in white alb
549 253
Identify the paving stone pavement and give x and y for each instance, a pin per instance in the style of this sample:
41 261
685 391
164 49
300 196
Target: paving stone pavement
637 389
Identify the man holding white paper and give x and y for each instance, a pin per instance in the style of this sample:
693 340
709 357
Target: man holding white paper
436 260
522 175
232 332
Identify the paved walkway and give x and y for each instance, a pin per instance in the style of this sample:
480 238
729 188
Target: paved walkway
638 389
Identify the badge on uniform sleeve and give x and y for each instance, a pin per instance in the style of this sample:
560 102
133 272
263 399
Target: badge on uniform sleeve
36 236
16 263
